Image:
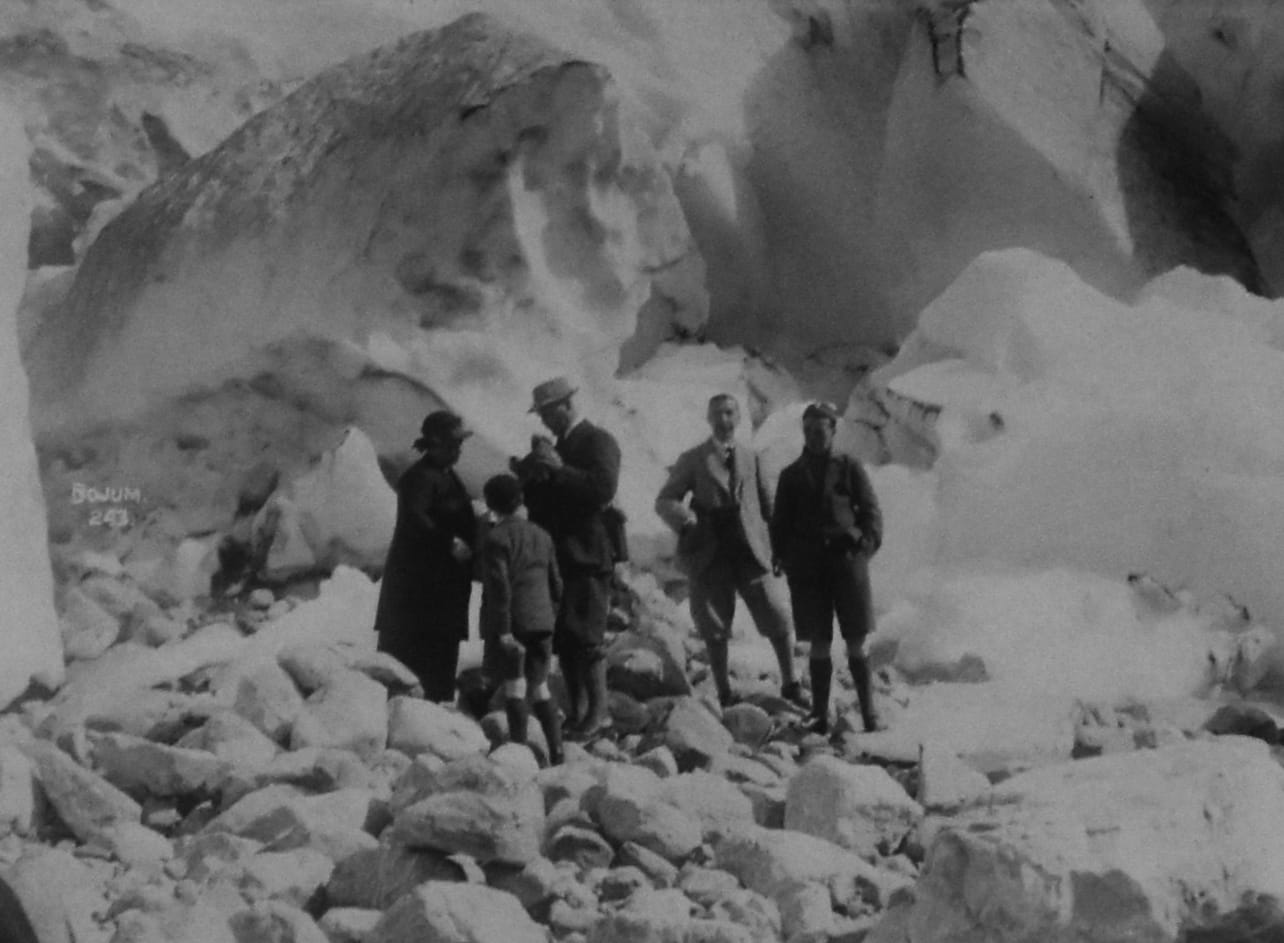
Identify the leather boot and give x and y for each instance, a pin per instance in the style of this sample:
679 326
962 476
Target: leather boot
822 672
518 712
861 678
546 713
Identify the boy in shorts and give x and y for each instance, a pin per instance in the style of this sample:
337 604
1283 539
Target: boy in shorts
521 591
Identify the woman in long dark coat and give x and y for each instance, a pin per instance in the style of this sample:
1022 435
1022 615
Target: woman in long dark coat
428 576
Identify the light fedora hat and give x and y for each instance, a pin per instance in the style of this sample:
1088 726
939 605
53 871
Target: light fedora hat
550 392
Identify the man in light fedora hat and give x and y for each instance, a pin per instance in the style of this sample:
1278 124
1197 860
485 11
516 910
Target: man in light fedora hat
569 488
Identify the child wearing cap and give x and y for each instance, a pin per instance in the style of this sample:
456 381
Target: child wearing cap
521 591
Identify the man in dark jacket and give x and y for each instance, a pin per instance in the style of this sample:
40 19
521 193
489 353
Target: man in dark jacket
428 576
723 544
521 590
568 487
825 526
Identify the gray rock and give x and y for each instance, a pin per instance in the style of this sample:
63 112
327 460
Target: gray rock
717 804
295 877
17 791
695 735
582 847
231 737
349 713
456 913
282 818
660 872
376 877
264 695
275 922
348 924
628 806
945 781
619 884
748 723
142 768
644 667
87 803
477 807
860 808
659 761
647 917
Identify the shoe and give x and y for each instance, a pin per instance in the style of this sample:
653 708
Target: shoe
589 730
818 725
796 695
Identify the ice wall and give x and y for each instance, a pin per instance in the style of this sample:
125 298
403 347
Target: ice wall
28 626
1078 431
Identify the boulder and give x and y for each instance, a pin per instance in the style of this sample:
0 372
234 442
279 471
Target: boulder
87 803
263 694
583 847
417 726
207 856
749 724
1166 844
32 909
283 818
860 808
275 922
643 667
694 735
660 761
377 877
180 922
295 877
456 913
477 807
142 768
231 738
348 924
17 791
945 781
647 917
628 806
716 803
658 870
790 868
87 628
350 713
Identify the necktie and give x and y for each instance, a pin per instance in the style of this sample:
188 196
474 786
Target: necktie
730 457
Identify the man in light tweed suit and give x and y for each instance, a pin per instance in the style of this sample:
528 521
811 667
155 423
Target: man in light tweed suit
723 544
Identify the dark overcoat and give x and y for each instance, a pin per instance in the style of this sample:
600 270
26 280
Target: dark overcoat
423 597
569 502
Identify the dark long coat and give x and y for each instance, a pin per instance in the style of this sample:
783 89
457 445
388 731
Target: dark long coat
423 598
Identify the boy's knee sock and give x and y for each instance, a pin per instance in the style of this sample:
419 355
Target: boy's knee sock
822 672
546 713
518 713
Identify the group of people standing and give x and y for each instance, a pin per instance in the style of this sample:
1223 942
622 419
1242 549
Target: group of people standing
546 554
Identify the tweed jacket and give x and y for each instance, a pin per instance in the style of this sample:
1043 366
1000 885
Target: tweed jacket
521 585
701 473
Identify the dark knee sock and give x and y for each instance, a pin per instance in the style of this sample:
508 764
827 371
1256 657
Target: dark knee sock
572 676
546 713
517 711
719 658
595 683
861 679
822 672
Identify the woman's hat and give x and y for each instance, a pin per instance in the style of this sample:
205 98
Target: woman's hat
442 426
550 392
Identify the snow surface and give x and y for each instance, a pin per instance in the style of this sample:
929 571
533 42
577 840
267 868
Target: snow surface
33 646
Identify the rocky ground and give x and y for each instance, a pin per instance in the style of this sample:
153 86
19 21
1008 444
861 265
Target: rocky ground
248 784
